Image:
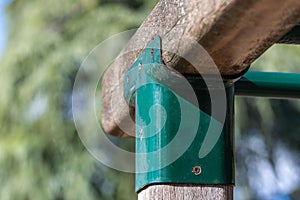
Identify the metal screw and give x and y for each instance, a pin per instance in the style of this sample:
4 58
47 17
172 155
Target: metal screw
196 170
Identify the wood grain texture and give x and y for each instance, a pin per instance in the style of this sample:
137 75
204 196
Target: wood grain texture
233 32
181 192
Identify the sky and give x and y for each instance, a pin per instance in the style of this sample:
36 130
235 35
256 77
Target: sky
3 4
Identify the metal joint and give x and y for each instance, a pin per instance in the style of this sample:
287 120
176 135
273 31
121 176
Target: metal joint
165 126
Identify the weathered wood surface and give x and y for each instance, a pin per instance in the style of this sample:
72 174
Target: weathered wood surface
233 32
179 192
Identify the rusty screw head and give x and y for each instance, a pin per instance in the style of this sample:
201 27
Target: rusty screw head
196 170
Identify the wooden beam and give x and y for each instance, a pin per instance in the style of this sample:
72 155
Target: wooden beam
233 32
173 192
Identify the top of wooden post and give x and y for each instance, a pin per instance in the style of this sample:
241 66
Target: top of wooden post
233 32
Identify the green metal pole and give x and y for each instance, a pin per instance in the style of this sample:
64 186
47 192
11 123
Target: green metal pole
269 84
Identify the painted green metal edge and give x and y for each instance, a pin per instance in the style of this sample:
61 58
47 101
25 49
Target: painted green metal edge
269 84
134 77
162 129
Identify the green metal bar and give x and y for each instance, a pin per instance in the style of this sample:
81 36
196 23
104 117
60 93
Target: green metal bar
269 84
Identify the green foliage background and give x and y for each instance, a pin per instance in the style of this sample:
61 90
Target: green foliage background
41 156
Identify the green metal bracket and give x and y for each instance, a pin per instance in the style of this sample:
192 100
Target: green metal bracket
170 141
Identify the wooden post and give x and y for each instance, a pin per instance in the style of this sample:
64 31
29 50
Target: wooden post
186 192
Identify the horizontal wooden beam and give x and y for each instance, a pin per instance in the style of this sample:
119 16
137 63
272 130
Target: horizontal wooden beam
233 32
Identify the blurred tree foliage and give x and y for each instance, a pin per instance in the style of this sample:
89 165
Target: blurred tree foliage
268 135
41 156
